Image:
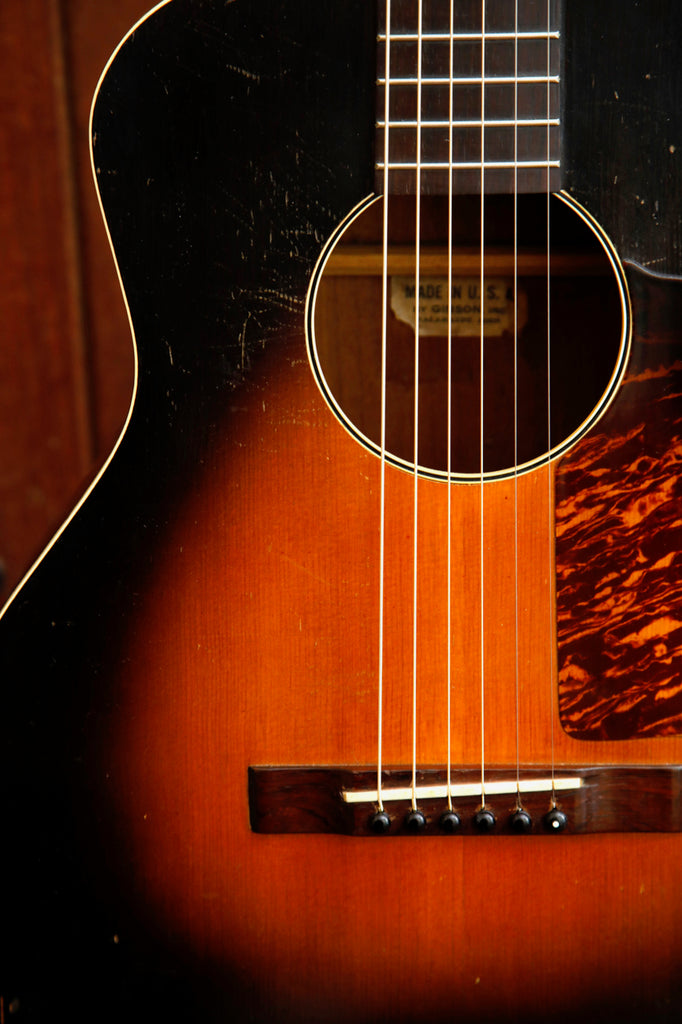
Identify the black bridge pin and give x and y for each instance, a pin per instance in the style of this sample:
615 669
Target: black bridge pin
415 822
484 820
555 820
520 821
450 822
380 823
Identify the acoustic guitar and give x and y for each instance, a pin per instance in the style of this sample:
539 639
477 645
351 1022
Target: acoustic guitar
351 691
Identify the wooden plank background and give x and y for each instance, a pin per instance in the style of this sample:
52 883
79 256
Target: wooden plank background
65 349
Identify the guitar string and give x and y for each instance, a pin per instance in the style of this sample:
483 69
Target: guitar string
516 399
550 523
481 399
482 359
415 522
449 412
382 470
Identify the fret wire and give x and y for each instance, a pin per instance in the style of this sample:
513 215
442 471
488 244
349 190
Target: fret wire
488 164
542 122
467 37
490 80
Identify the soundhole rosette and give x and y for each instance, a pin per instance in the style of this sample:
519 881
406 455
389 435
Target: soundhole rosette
556 334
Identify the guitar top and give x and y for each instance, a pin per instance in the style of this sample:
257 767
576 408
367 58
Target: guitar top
287 724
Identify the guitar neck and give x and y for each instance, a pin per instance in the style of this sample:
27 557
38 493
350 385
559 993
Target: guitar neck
468 100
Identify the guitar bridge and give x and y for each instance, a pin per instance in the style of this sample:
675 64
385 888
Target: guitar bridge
346 801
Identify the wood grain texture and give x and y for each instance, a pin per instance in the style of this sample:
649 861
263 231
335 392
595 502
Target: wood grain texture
286 800
213 605
45 455
302 689
65 352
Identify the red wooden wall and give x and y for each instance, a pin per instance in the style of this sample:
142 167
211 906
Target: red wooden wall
65 350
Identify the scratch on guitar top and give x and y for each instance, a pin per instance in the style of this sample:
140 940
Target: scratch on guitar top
245 74
242 341
269 299
170 353
308 572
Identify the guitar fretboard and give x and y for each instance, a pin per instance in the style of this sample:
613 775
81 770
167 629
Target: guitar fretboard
500 60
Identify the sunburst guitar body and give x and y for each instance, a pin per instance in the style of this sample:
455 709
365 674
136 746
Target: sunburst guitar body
292 732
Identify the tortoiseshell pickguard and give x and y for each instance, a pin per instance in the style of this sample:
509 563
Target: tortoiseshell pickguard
619 540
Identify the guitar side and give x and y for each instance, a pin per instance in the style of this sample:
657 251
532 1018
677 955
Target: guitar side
196 617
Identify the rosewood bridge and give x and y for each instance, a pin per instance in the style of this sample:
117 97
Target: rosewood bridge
343 801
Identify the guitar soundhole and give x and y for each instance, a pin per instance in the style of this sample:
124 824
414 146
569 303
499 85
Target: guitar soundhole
553 400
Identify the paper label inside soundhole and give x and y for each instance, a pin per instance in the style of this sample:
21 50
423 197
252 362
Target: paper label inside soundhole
499 313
